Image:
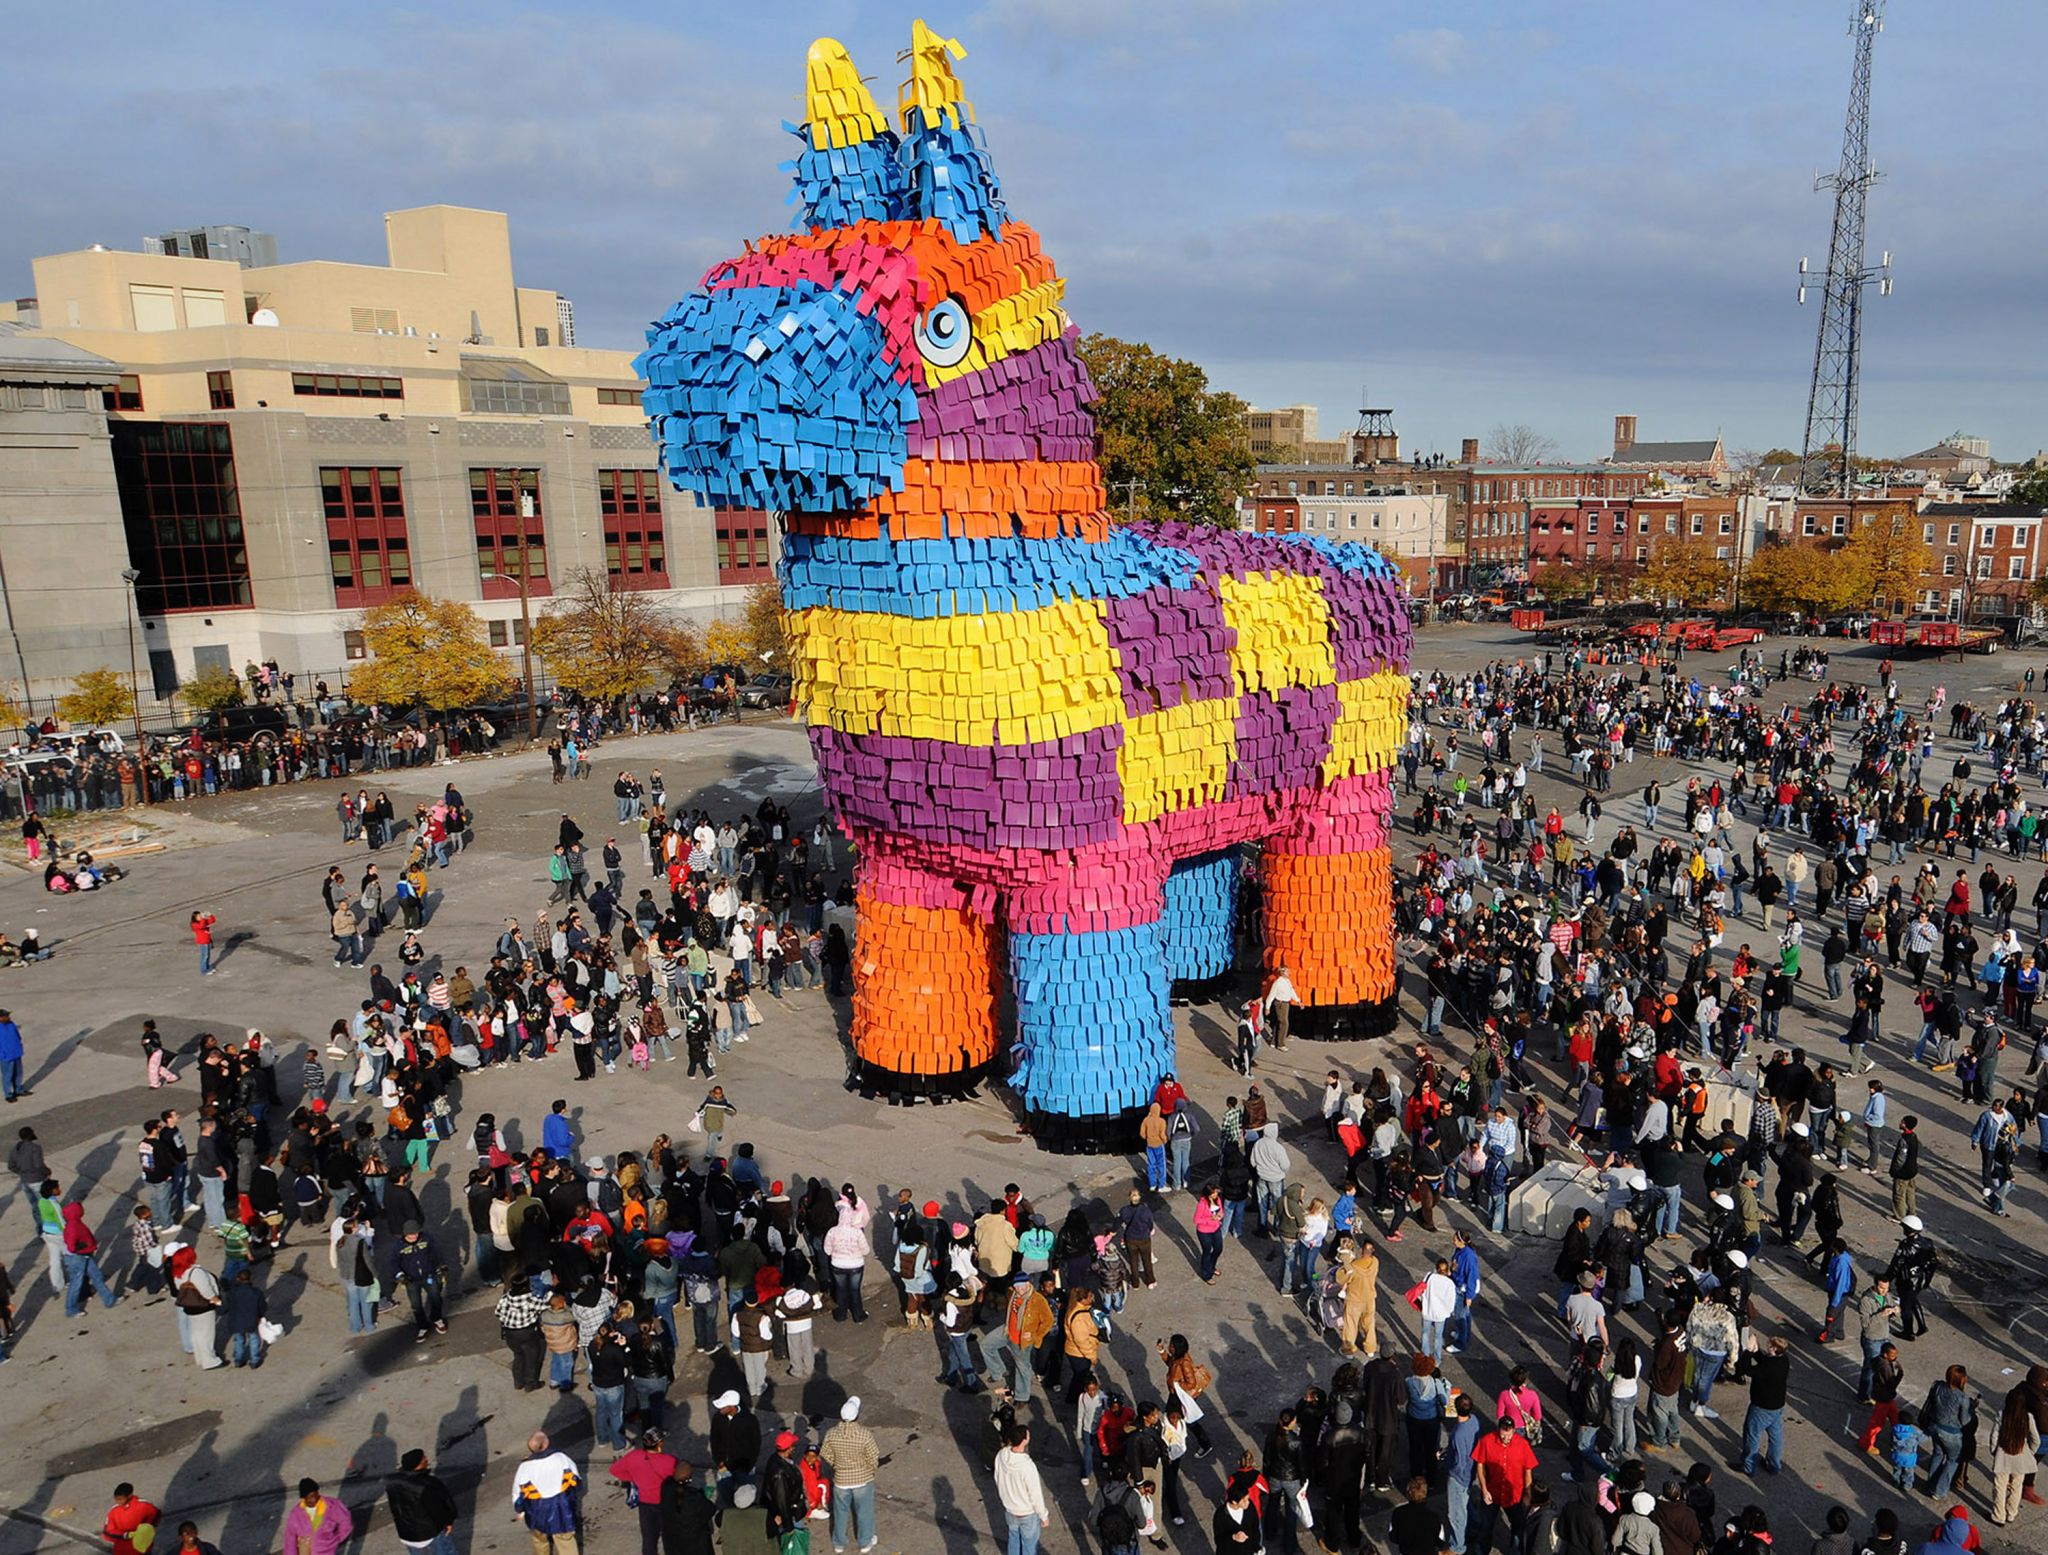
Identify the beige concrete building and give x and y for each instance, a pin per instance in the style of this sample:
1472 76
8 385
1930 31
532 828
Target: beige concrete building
63 602
1293 432
293 442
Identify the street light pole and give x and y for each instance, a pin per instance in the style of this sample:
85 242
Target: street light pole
526 610
131 577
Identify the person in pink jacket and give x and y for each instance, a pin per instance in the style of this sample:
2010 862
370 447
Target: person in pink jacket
316 1525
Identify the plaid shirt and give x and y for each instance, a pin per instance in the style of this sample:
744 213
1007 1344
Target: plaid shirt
521 1309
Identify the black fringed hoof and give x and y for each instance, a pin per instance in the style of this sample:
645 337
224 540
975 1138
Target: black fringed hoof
1344 1022
1099 1133
1203 990
907 1090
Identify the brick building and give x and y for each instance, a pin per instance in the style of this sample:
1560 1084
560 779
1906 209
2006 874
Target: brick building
1502 503
1698 459
1988 554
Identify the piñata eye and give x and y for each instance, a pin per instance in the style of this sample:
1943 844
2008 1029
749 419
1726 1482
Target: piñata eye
945 334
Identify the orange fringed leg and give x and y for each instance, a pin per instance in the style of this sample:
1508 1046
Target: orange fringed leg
924 989
1330 923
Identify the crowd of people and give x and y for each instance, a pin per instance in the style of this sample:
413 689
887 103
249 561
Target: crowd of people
1608 995
302 739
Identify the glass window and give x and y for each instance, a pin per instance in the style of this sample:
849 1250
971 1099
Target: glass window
1841 524
368 551
1955 534
348 386
2018 568
607 396
182 511
506 506
1727 524
1927 533
635 554
741 539
511 397
220 391
125 395
1948 566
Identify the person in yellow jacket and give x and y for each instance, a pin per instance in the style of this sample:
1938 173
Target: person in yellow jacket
1359 1280
1083 1341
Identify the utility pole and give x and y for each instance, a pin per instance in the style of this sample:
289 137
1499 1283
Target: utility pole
131 577
526 611
1827 459
1131 488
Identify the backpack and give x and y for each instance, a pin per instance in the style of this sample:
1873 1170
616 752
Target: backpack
363 1274
1116 1527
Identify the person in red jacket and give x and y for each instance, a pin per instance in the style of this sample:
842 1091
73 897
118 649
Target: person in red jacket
202 936
1169 1095
126 1518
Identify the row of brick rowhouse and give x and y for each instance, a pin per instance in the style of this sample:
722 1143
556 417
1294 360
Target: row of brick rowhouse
271 448
1479 525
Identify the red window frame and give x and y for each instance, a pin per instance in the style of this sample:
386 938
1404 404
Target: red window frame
635 543
368 548
742 546
125 395
494 504
220 390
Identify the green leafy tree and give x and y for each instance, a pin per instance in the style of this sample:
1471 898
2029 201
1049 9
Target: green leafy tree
726 642
2032 487
1561 580
214 689
426 650
601 641
1889 560
1803 578
1614 578
99 696
1686 572
767 636
1163 427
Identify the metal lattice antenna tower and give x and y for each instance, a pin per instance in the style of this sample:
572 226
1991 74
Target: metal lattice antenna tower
1827 455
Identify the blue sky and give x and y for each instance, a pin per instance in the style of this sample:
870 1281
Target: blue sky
1489 212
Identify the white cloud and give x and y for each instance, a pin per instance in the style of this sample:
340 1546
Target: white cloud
1441 51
